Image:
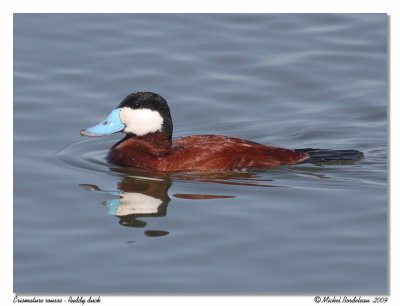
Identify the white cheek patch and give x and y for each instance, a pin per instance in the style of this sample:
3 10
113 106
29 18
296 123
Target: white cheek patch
141 121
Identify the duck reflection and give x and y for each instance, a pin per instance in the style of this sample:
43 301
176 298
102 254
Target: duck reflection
138 196
143 193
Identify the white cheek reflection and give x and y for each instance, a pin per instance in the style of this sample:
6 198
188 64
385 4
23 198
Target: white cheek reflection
137 203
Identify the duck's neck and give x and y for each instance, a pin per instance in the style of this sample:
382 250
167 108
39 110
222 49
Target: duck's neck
153 143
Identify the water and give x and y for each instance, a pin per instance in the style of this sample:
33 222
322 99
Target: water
289 80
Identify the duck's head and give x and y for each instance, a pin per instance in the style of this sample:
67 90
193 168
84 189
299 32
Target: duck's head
138 114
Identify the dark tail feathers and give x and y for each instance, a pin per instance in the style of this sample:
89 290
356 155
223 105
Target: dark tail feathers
325 155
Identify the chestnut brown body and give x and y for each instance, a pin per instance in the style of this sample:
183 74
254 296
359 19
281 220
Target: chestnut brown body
199 153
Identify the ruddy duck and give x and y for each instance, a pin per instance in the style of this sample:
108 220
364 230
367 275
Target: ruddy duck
146 120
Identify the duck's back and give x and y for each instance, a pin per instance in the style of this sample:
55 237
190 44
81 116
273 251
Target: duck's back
215 153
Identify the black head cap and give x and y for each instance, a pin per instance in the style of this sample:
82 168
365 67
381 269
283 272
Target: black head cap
152 101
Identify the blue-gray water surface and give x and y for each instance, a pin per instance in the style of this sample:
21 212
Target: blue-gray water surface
84 225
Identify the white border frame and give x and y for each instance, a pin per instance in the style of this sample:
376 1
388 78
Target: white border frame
8 7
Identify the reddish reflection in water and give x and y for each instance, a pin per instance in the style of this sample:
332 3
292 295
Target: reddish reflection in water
201 196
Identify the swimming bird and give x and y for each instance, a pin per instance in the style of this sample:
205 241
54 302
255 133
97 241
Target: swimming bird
146 120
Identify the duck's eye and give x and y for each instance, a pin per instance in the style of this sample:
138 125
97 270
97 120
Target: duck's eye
106 123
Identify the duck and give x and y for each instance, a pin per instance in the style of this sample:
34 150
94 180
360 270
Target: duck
146 120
